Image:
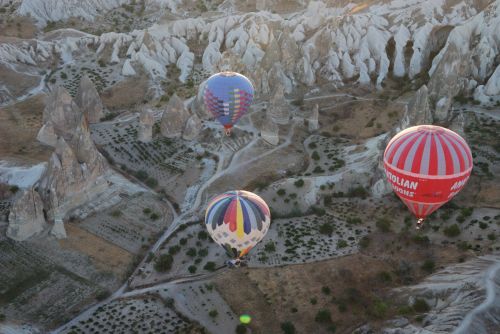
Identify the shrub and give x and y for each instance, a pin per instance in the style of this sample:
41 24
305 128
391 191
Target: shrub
323 316
452 231
353 220
270 247
183 241
116 213
420 306
384 276
315 156
379 309
299 183
326 290
428 266
492 237
203 252
209 266
152 182
163 263
13 189
241 329
172 250
191 252
326 228
364 242
421 239
202 235
102 295
383 224
341 244
142 175
358 191
154 216
281 192
213 313
146 211
287 327
64 76
313 301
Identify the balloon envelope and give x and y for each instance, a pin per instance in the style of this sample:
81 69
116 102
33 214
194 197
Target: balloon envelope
228 96
237 220
426 166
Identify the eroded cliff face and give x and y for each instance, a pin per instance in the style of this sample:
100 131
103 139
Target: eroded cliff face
26 217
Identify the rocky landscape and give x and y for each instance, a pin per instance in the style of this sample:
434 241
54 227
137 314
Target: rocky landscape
108 159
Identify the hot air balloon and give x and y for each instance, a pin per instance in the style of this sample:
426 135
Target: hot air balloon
237 220
228 95
427 166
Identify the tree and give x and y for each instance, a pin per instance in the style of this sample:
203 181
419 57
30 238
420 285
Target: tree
163 263
323 316
191 252
452 231
270 247
287 327
299 183
209 266
192 269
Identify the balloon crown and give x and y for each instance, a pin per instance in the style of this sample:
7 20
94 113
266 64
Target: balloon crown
228 73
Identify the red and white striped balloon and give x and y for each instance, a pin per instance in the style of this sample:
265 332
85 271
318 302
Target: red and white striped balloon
427 165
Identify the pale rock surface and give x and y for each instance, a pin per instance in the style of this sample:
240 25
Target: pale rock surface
89 101
58 229
312 120
193 128
279 110
146 122
174 118
26 216
418 111
270 131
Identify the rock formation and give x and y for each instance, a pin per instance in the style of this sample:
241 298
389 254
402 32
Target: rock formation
60 117
193 127
146 122
58 229
418 111
87 98
26 216
278 107
174 118
270 131
312 120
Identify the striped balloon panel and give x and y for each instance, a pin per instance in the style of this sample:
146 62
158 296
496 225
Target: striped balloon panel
427 166
429 150
237 220
228 97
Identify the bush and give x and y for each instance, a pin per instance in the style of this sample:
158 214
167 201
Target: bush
313 301
154 216
379 309
191 252
116 213
146 211
353 220
192 269
172 250
358 191
492 237
202 235
241 329
299 183
326 290
452 231
203 252
64 76
102 295
14 189
341 244
209 266
270 247
421 239
326 228
421 306
183 241
281 192
213 313
164 263
383 224
287 327
142 175
152 182
315 156
428 266
323 316
384 276
364 242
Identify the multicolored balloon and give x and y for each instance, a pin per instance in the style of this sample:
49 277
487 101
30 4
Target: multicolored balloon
237 220
427 166
228 96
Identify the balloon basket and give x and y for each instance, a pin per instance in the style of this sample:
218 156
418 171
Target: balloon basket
227 132
236 263
420 223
